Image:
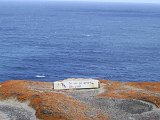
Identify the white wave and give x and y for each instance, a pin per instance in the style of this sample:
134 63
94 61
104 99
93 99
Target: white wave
40 76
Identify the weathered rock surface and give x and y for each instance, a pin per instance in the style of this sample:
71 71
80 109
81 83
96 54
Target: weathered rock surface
12 109
112 101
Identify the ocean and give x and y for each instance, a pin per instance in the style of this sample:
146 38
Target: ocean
48 41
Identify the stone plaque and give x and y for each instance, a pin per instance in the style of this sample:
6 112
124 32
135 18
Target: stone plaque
76 84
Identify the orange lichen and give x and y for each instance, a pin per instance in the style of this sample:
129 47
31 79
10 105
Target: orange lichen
147 91
49 104
57 105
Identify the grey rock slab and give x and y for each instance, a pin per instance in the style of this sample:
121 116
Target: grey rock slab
118 109
14 110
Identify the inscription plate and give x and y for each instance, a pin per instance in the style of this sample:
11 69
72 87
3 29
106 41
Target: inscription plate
76 84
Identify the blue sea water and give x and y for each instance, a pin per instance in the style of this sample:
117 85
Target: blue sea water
49 41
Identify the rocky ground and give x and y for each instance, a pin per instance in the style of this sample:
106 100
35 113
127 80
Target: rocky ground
29 100
12 109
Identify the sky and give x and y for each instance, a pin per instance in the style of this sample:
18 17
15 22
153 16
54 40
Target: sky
134 1
128 1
